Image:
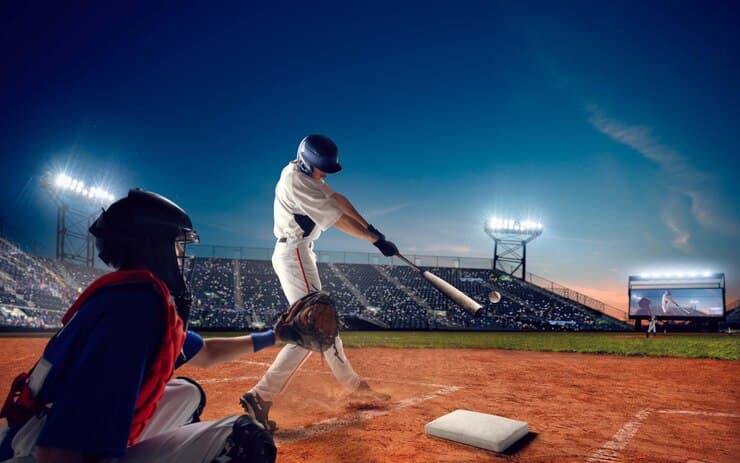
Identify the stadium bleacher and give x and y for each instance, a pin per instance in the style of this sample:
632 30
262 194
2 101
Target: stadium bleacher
241 294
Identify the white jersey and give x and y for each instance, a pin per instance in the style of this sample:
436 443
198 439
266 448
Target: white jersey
667 299
303 209
303 206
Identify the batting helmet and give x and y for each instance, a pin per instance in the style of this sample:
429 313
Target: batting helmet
320 152
143 229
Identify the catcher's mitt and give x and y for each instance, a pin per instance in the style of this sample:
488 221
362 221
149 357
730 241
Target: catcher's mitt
311 322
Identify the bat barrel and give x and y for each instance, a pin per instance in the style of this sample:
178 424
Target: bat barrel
454 294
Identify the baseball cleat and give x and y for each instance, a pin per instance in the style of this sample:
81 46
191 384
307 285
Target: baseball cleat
365 392
258 409
248 442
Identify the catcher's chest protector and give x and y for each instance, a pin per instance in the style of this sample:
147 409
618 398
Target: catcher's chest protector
21 403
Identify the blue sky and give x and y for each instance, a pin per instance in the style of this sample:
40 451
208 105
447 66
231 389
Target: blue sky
613 124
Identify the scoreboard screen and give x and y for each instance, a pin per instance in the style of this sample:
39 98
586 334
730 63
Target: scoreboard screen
696 297
677 302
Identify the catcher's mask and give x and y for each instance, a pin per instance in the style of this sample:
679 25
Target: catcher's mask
145 230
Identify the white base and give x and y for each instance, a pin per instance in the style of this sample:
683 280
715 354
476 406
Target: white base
489 432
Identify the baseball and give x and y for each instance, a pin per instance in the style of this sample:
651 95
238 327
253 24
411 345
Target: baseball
494 297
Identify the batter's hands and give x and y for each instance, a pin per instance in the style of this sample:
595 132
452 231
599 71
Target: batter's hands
386 247
375 231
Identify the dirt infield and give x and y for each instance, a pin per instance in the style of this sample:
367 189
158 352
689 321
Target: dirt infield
580 408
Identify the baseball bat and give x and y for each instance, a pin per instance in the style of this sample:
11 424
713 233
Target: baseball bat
454 294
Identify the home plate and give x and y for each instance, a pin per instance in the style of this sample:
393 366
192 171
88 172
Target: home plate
489 432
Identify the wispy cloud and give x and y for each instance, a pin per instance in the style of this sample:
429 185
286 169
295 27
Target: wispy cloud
386 210
556 237
443 249
673 217
682 179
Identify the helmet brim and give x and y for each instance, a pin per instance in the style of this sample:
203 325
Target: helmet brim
333 169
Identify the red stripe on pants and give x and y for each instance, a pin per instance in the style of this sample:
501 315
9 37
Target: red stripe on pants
303 272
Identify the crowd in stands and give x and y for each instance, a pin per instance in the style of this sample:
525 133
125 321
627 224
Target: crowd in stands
35 291
246 294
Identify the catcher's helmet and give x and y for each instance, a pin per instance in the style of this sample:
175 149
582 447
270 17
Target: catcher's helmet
320 152
146 218
143 229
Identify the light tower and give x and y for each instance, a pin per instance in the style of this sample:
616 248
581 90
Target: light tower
77 206
510 238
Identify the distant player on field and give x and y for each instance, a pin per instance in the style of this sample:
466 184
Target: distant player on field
651 326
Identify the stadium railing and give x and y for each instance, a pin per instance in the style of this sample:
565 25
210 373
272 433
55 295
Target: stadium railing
573 295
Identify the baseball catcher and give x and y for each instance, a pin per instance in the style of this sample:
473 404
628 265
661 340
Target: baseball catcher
311 322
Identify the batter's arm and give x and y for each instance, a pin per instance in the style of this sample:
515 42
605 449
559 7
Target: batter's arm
348 209
354 228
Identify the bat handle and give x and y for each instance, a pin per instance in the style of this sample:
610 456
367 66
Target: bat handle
400 256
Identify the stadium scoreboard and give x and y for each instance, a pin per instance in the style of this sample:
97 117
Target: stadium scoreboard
677 297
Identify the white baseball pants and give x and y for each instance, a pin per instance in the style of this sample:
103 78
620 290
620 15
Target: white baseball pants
167 438
295 265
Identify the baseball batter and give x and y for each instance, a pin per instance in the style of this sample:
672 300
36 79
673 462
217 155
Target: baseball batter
666 300
305 205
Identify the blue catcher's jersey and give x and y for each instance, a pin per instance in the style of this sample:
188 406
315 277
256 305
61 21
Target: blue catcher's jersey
98 364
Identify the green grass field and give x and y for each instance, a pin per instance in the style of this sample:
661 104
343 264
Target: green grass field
713 346
693 345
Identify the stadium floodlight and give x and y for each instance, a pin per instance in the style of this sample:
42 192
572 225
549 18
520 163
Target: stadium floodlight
527 229
65 184
675 275
78 203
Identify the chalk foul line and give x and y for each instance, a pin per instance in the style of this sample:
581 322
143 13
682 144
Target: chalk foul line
609 452
690 412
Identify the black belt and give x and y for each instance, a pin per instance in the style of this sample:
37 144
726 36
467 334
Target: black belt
282 240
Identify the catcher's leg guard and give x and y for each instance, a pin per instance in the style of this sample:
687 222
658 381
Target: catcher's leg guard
247 443
198 411
258 409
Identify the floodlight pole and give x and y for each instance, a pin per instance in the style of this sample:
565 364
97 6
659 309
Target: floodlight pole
510 250
74 243
60 232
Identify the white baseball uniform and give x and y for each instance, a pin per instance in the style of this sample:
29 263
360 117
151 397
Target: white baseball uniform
665 301
168 437
303 208
651 325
